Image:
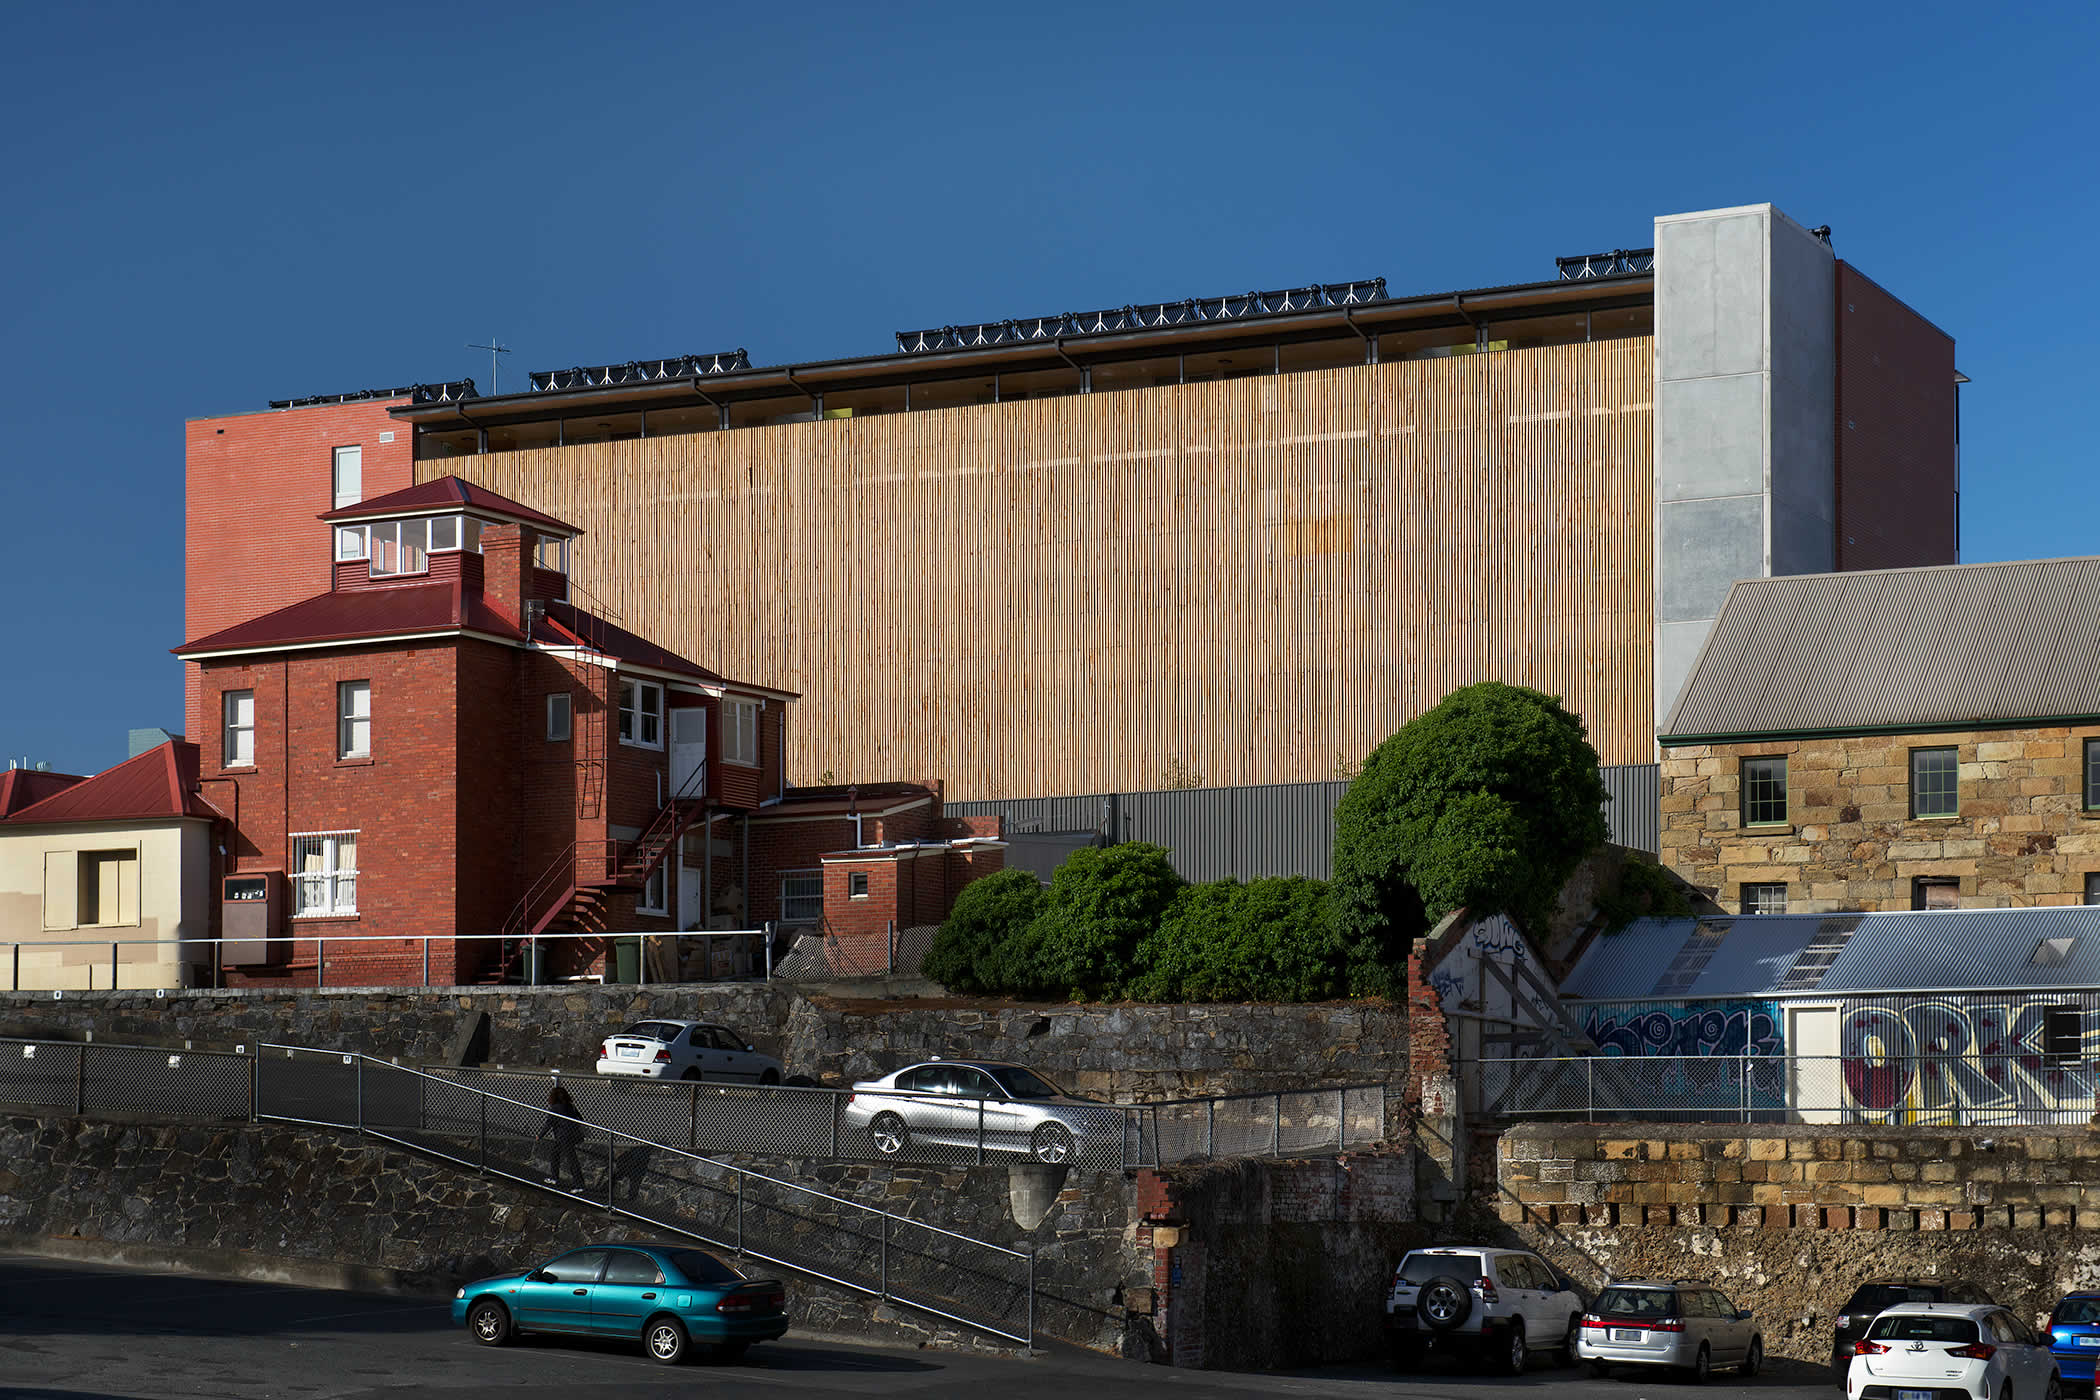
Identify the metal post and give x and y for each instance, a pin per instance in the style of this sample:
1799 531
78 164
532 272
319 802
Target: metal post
769 950
320 962
426 959
1743 1067
1341 1120
980 1132
255 1087
889 964
835 1110
885 1255
532 961
692 1118
16 984
112 964
360 1094
740 1215
80 1081
641 958
1589 1076
1275 1125
1210 1129
608 1171
1031 1300
484 1098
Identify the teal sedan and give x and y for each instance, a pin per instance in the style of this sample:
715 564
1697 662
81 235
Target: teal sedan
670 1298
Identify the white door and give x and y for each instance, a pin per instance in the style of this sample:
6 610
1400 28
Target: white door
1815 1085
688 751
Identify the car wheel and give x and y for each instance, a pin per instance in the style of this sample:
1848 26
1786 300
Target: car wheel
667 1342
2055 1390
1444 1303
1754 1359
771 1076
489 1321
889 1134
727 1352
1702 1365
1600 1370
1515 1355
690 1073
1051 1142
1568 1343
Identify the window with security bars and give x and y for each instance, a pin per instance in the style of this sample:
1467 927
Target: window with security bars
1764 899
324 874
1764 791
2063 1036
802 896
1934 780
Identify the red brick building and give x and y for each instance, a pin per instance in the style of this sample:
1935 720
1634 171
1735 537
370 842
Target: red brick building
444 744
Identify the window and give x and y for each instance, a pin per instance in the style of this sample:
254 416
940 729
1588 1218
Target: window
444 533
1935 892
857 885
551 553
237 709
108 892
557 717
2092 775
801 896
401 547
1764 899
349 476
1933 782
580 1267
1764 791
470 534
642 714
2063 1034
352 542
353 719
324 874
625 1266
740 732
2092 887
651 899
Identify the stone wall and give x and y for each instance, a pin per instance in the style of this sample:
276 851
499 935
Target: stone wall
1849 844
1789 1219
1123 1052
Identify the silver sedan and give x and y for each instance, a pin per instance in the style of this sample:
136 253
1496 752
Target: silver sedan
981 1103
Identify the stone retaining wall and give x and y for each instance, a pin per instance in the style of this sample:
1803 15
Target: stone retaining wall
1789 1219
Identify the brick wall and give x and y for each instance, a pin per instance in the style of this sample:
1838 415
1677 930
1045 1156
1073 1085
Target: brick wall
253 485
1899 465
2021 836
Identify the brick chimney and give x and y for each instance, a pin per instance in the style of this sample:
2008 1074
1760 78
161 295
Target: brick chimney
506 571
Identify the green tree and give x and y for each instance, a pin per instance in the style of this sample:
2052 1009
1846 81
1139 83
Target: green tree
1102 902
1269 940
966 955
1486 802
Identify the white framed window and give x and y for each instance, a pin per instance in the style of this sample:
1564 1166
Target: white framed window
444 533
558 716
352 542
324 873
652 898
353 719
237 721
801 896
857 884
1764 899
740 732
349 476
401 547
642 714
551 553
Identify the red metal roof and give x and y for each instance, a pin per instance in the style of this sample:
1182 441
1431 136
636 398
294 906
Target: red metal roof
21 786
448 491
567 625
359 613
160 782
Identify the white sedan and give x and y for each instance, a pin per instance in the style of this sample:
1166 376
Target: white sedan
1937 1351
685 1050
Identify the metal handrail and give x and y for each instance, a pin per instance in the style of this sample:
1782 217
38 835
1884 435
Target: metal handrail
741 1174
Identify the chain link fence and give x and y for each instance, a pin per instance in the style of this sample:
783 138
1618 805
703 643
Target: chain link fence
89 1078
2033 1089
819 955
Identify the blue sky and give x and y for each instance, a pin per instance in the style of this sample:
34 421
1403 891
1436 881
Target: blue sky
208 210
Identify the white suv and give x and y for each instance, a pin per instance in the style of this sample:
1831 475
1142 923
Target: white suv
1951 1351
1496 1303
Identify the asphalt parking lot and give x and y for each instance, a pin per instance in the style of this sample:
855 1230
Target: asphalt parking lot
81 1330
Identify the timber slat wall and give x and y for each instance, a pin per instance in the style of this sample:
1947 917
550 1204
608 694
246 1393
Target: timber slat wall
1250 579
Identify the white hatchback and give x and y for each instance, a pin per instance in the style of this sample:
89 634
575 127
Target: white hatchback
685 1050
1951 1351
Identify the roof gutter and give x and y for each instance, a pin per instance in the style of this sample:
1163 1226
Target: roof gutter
1951 726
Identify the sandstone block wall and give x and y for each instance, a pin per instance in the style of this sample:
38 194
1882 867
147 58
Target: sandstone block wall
2021 836
1789 1219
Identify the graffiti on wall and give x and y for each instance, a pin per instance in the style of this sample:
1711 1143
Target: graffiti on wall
1968 1060
1693 1028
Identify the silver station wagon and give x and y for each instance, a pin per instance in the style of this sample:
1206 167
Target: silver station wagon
968 1103
1679 1323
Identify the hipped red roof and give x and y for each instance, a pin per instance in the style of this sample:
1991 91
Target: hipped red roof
358 613
448 492
21 786
160 782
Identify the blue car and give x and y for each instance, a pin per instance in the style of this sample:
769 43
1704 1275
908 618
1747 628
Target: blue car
2074 1335
670 1298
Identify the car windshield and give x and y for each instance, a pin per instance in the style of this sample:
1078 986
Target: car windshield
1956 1330
1023 1083
2078 1311
1420 1268
1637 1302
1873 1297
653 1030
701 1268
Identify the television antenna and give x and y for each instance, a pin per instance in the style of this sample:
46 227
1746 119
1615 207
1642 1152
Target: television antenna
495 347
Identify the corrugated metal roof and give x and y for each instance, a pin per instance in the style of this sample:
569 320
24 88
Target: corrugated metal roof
443 492
160 782
21 786
1933 951
1898 649
363 612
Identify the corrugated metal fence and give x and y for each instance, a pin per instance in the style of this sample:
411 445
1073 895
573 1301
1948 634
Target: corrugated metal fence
1247 832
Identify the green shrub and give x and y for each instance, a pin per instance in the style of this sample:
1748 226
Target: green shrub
1643 890
1486 802
1101 904
965 956
1223 941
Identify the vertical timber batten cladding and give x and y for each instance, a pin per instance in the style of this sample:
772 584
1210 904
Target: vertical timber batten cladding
1246 580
